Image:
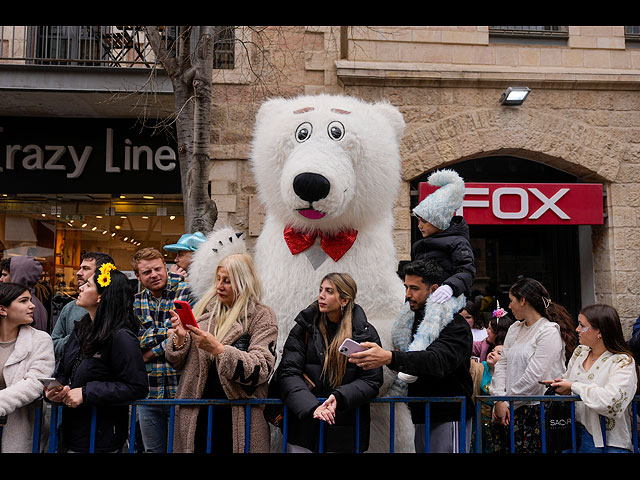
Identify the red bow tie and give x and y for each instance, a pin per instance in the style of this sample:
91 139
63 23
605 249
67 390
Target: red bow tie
334 245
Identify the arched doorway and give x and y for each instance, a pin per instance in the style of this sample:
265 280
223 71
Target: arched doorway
559 256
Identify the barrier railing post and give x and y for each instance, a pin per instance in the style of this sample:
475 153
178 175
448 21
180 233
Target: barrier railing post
392 426
634 425
132 429
247 428
172 419
427 427
92 437
512 439
573 427
285 428
463 427
357 446
209 427
478 420
543 430
36 431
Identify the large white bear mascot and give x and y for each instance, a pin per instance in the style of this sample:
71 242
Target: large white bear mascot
327 170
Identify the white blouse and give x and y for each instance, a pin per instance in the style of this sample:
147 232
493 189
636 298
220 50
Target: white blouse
530 354
607 388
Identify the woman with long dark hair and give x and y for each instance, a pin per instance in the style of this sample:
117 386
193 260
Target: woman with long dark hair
102 365
26 354
312 367
534 351
603 373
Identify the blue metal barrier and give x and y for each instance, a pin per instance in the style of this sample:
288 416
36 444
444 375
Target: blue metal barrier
57 410
480 399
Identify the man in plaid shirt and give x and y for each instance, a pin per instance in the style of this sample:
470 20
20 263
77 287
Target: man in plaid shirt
152 305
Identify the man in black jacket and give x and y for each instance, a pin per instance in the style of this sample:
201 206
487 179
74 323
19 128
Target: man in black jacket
439 370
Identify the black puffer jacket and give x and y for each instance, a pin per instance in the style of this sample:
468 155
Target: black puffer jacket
114 374
451 249
442 370
304 352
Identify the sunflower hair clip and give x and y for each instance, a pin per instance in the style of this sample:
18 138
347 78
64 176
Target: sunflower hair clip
104 279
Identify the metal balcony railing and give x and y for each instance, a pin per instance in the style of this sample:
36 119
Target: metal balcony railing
57 409
97 46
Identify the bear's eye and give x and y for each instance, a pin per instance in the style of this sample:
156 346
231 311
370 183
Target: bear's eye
336 130
303 132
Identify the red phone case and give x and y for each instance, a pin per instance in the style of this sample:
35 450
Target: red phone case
183 309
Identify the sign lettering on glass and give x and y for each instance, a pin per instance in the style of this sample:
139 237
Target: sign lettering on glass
62 155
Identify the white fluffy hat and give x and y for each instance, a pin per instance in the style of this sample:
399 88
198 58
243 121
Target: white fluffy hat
439 207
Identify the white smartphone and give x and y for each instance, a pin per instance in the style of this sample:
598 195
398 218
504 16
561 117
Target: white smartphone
50 383
350 346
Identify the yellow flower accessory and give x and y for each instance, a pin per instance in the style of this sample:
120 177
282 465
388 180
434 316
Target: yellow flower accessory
104 279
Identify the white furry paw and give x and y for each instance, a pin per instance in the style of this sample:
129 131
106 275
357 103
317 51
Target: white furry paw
405 377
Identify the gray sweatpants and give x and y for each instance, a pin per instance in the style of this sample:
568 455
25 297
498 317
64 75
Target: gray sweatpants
443 437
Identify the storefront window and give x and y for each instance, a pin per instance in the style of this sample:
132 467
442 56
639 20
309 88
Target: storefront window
58 229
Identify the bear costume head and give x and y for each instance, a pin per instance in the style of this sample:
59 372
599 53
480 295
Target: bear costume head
327 162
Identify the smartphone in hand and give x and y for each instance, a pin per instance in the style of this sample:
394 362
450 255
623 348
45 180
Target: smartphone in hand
350 346
50 383
183 309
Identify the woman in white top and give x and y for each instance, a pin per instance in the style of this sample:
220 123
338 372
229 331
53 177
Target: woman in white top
534 351
26 354
603 373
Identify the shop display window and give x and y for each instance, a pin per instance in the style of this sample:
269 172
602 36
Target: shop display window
57 229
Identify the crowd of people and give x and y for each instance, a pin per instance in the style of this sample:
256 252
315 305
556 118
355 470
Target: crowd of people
112 346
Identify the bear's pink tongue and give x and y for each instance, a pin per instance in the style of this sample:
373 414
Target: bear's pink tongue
311 213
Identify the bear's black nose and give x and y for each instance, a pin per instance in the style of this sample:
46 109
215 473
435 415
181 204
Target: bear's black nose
311 186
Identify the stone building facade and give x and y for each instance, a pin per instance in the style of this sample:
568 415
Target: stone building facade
581 118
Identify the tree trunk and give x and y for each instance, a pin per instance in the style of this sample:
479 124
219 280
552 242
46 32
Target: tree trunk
191 78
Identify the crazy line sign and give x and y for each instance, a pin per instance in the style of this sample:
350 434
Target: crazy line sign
529 203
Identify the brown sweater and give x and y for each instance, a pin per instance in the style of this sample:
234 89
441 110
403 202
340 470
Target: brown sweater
243 374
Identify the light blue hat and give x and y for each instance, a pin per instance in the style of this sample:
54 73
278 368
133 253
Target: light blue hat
188 242
439 207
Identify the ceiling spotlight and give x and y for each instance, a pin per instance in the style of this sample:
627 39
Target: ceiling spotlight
514 95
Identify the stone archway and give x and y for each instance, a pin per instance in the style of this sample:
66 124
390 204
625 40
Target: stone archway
589 152
574 147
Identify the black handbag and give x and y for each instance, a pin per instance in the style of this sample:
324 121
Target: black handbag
274 412
557 424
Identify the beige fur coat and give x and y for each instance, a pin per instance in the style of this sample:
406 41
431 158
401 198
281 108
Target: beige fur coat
240 372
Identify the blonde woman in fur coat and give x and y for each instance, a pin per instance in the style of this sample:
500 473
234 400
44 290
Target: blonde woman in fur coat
26 354
230 356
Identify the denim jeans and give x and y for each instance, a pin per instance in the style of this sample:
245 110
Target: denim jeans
154 427
584 443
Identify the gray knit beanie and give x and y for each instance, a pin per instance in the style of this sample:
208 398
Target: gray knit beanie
439 207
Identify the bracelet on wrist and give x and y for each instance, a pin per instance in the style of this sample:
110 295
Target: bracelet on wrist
176 346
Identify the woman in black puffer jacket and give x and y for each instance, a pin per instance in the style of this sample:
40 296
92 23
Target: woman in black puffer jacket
102 366
311 351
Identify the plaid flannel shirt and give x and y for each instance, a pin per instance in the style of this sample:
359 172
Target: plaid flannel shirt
156 321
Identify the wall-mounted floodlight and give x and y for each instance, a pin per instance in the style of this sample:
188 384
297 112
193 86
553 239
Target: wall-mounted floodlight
514 95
